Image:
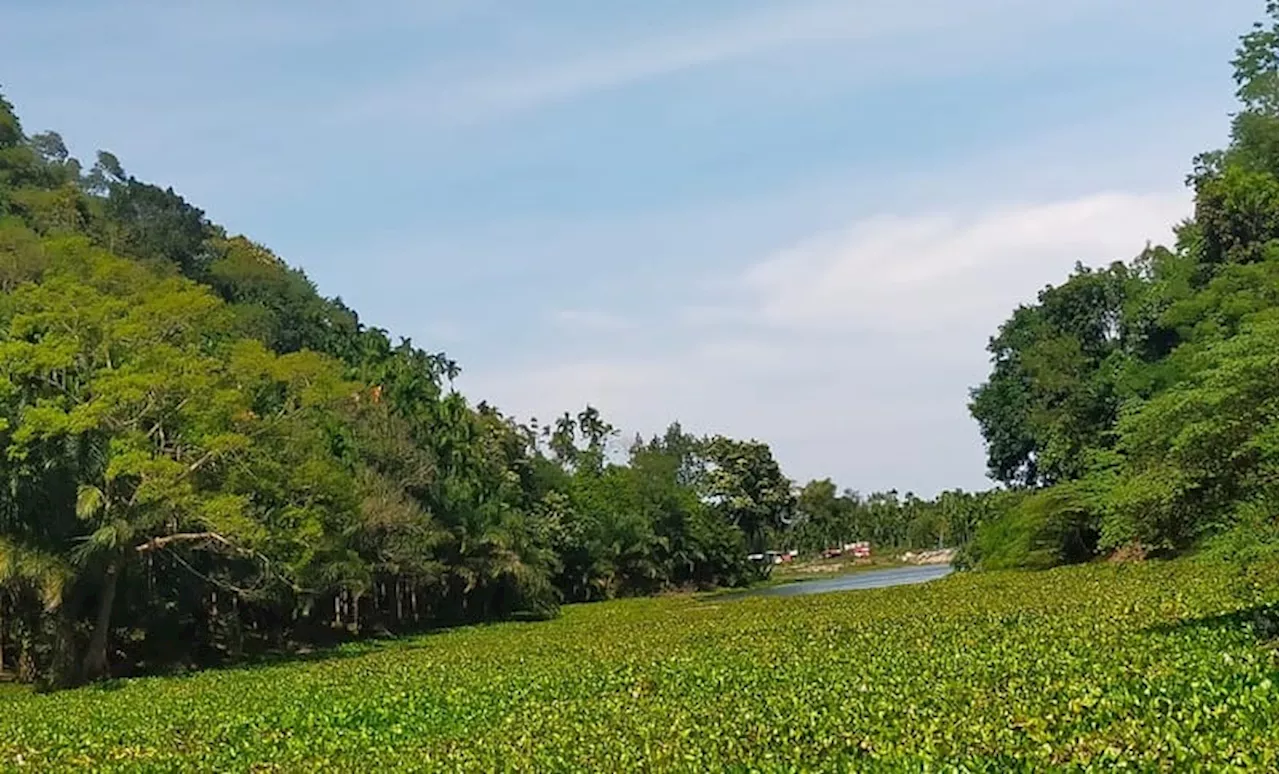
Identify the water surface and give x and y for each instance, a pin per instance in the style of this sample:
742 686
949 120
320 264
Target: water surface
868 579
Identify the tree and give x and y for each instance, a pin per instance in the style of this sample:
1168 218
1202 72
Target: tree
1194 452
103 355
158 224
748 488
1055 385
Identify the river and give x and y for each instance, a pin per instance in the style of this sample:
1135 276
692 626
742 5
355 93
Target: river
868 579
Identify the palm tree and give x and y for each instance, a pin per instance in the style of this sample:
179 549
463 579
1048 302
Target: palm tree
28 574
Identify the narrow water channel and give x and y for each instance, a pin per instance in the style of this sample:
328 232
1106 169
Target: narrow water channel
870 579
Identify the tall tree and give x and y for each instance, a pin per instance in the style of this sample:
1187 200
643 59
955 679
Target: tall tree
748 487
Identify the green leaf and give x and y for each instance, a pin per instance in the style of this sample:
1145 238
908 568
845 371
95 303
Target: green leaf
89 501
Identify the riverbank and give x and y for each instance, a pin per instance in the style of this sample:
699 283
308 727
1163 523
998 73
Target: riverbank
806 570
843 565
905 575
822 568
840 565
938 556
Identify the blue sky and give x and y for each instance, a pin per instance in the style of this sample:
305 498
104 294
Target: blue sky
797 221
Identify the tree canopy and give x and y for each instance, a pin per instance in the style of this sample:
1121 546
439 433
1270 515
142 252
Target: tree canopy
1137 403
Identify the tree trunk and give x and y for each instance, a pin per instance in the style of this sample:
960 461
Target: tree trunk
1 632
64 669
236 646
95 659
212 624
26 666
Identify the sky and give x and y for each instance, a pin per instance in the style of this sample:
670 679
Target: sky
796 221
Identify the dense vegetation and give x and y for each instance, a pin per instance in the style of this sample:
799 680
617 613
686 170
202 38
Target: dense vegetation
1134 406
1135 666
203 456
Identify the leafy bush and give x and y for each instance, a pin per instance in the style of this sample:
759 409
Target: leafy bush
1044 529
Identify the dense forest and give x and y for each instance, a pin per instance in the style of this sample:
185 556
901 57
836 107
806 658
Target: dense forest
1133 407
204 457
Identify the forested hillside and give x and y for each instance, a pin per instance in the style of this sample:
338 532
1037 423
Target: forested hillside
203 456
1134 406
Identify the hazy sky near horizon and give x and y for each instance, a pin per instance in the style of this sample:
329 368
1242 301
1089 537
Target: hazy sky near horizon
797 221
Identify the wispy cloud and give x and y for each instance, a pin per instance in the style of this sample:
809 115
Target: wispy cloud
551 76
230 23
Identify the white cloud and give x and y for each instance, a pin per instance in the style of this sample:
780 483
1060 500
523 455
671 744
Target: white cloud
927 271
852 352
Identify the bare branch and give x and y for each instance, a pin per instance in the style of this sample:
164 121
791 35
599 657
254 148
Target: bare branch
195 537
186 537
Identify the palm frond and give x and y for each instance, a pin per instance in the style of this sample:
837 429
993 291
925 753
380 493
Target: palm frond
113 536
46 574
89 501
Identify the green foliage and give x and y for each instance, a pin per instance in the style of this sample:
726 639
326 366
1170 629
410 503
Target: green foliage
203 456
1194 451
1055 384
1038 530
748 487
1152 387
277 304
1235 216
151 223
1255 66
1098 668
11 135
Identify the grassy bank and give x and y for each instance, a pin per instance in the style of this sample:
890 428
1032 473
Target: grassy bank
812 569
1150 664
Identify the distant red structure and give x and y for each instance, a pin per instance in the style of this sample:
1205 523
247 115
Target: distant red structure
860 550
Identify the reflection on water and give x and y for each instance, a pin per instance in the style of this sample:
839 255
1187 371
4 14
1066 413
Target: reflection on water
871 579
